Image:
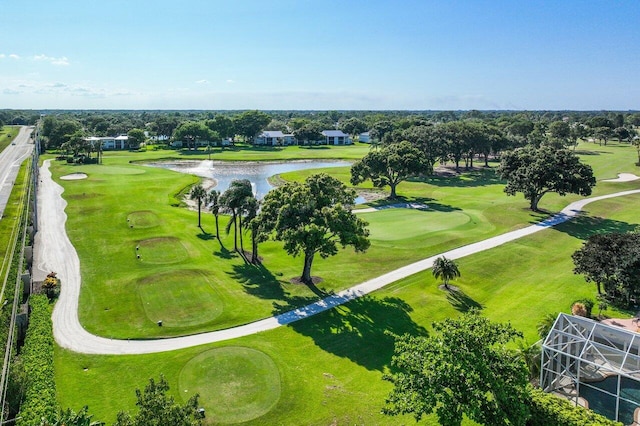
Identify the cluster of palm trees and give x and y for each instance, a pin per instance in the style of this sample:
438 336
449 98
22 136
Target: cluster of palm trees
241 204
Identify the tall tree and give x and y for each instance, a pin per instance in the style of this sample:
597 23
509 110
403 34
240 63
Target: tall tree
214 202
390 165
353 126
312 218
199 195
250 123
464 368
612 261
191 132
222 125
232 200
536 171
155 408
136 138
444 268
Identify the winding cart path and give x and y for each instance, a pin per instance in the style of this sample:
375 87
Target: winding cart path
54 252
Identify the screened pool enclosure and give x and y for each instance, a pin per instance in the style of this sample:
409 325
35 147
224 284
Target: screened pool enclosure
594 365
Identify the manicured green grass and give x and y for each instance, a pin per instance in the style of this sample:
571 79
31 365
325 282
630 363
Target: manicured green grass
235 384
461 210
7 135
330 366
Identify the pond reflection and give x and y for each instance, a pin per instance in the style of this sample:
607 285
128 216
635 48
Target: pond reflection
256 172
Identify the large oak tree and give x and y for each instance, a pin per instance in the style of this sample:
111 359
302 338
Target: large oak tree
465 368
390 165
313 217
536 171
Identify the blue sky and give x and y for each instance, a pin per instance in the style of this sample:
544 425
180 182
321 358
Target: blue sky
349 54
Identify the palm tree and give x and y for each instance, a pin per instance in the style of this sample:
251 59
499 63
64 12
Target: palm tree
199 194
545 324
214 201
250 209
446 269
232 200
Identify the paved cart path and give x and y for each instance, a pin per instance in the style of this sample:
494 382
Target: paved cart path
54 252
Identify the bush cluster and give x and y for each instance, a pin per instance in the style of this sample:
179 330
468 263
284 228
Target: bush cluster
547 409
37 357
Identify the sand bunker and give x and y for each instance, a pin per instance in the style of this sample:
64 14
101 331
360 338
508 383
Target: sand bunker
74 176
623 177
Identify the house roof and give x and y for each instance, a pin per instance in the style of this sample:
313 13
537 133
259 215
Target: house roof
333 133
272 134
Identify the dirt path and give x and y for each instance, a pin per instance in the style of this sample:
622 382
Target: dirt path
54 252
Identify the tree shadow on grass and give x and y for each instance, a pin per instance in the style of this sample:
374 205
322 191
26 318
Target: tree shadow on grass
258 281
362 330
584 226
223 253
462 302
431 203
204 235
466 179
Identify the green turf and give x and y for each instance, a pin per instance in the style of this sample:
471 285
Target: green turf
461 210
235 384
179 299
330 365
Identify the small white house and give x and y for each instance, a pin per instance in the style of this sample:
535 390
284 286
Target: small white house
109 142
364 137
336 137
275 138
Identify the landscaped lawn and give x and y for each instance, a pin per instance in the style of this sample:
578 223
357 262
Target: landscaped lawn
330 365
327 368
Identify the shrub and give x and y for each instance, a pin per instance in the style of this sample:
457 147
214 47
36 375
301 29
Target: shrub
51 285
579 309
587 304
547 409
37 357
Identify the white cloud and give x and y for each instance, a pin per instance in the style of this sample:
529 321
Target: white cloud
63 60
231 81
1 55
11 92
14 56
202 82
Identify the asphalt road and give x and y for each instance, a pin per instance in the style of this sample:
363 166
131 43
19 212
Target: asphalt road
54 252
10 160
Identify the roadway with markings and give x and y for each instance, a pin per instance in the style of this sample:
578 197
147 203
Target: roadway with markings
10 160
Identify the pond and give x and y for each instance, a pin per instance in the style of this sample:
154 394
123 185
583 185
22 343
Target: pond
257 173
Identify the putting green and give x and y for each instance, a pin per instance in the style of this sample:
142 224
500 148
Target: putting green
143 219
162 250
400 224
236 384
179 298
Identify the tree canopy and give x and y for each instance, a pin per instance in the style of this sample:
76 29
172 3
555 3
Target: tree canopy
192 131
463 368
611 261
250 123
155 408
536 171
390 165
313 217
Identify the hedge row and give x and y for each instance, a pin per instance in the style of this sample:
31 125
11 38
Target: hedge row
547 409
37 357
